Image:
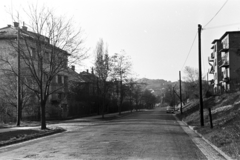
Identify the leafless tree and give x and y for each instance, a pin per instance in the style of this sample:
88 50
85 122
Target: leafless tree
121 70
103 67
47 47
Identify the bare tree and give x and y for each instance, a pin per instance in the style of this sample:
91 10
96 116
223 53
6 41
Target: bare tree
8 94
190 84
8 81
191 74
48 44
103 67
121 71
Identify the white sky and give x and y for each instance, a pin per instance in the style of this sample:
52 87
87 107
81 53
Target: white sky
156 34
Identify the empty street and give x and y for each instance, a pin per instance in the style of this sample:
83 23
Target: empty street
138 135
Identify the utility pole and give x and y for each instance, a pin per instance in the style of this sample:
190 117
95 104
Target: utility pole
173 97
180 87
200 76
18 79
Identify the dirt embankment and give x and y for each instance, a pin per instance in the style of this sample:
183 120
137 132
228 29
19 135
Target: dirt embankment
226 121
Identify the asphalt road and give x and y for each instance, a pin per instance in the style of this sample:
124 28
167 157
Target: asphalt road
140 135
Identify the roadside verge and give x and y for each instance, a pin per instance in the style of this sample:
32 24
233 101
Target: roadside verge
21 135
207 148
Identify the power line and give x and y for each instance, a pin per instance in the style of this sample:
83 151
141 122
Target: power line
189 50
226 25
216 13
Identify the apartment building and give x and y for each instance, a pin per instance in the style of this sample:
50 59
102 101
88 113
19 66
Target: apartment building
214 62
40 63
225 62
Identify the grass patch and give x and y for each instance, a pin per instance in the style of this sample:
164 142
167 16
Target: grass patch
11 137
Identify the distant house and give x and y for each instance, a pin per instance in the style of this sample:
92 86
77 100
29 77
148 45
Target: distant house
89 82
226 62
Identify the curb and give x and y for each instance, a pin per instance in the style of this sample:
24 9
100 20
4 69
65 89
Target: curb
32 137
211 144
57 131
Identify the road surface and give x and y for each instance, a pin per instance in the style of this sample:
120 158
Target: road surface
140 135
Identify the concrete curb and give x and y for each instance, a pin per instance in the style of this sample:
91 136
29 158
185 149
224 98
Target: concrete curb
44 135
31 137
212 145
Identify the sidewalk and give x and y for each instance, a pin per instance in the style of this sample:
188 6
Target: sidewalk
52 123
207 148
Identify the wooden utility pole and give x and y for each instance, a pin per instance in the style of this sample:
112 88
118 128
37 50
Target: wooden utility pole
200 76
18 79
180 87
173 97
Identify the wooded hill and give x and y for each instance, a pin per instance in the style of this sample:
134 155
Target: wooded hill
157 85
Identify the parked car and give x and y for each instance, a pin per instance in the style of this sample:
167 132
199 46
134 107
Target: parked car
170 109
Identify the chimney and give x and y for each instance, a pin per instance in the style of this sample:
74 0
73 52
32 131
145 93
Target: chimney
16 24
87 70
9 25
24 28
73 67
92 71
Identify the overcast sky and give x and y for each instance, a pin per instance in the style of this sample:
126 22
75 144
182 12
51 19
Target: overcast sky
156 34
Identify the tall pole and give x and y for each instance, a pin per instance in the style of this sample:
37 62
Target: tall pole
18 79
173 97
180 87
200 76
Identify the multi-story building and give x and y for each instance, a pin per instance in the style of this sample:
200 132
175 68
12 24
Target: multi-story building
214 61
41 64
226 62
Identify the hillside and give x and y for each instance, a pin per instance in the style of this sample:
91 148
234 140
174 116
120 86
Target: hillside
157 85
226 121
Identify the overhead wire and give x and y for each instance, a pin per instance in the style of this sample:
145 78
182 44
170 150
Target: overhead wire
216 13
189 50
221 26
204 28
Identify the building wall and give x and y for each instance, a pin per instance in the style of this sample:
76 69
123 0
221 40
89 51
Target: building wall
232 56
8 49
217 76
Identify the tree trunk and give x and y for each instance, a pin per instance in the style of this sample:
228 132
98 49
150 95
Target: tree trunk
103 108
43 117
121 97
39 113
19 115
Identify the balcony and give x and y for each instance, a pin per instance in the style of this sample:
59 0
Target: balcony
211 71
224 63
211 82
224 50
226 79
212 55
210 59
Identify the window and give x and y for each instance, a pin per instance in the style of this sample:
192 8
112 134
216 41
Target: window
59 79
225 43
33 52
62 80
65 79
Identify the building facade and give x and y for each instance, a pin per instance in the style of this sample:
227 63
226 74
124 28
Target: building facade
42 65
225 62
